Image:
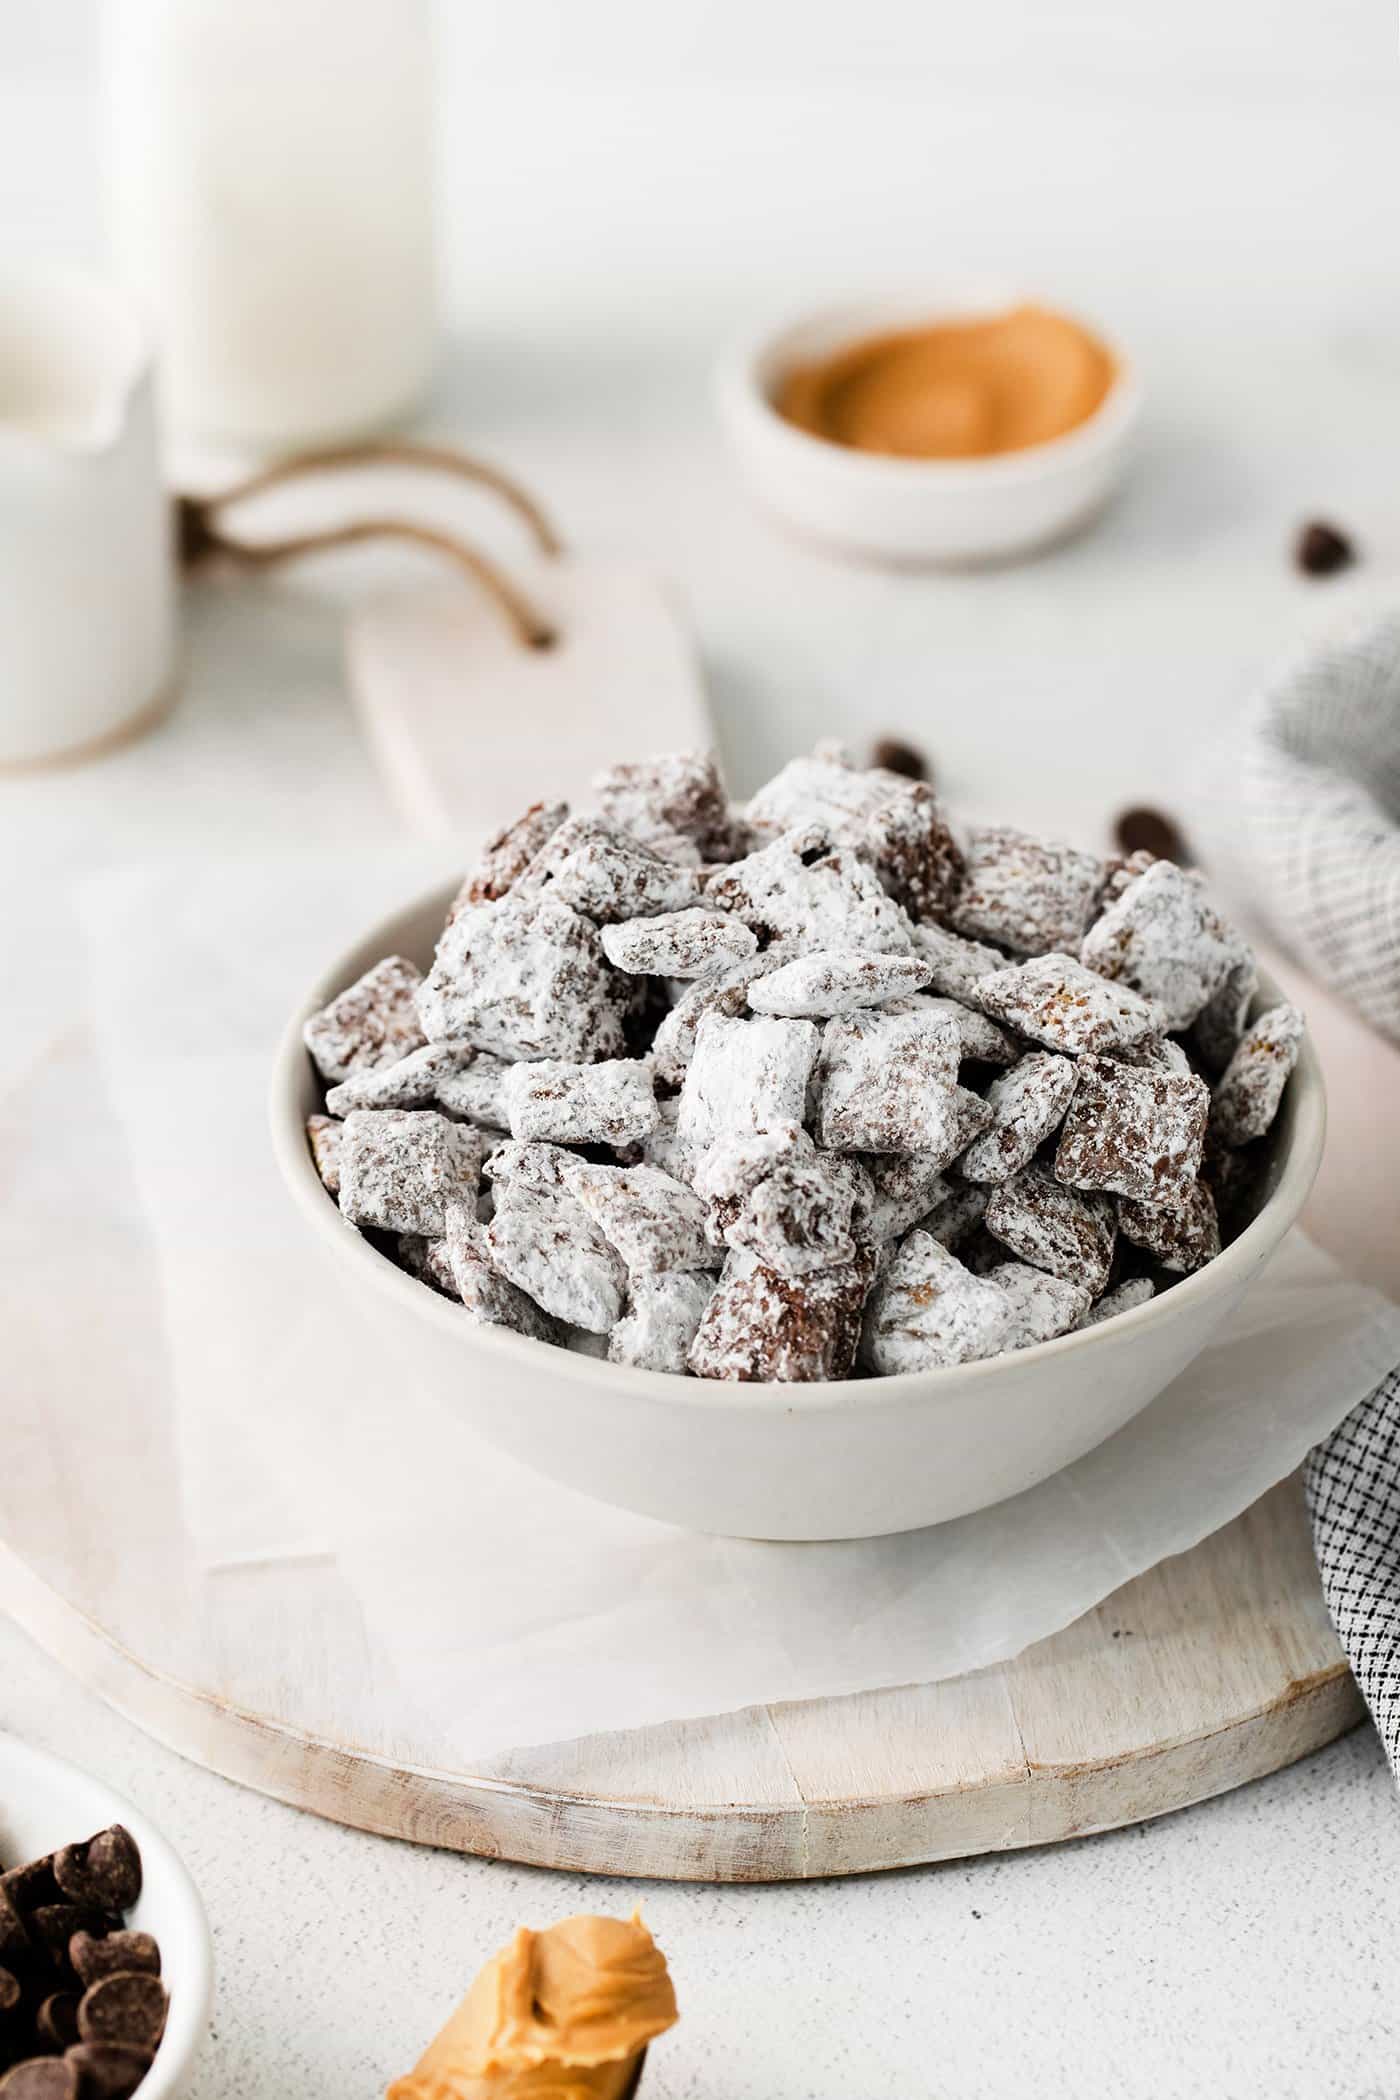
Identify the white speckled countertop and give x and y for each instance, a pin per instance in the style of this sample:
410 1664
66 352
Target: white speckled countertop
1222 205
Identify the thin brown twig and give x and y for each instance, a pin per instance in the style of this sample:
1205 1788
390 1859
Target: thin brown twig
402 452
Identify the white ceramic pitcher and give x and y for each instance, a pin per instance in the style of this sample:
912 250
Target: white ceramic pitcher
86 574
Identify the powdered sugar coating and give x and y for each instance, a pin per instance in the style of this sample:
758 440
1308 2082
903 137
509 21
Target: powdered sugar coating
887 1083
1182 1236
954 1220
745 1076
324 1135
547 1245
676 796
524 978
655 1223
1065 1231
836 981
805 893
1031 895
893 822
1027 1103
607 874
928 1311
1163 938
1247 1097
722 992
1136 1132
473 1090
957 966
678 943
905 1186
1124 1297
410 1083
534 1164
488 1297
979 1037
507 854
400 1168
661 1321
428 1261
799 1216
1057 1002
1221 1022
1041 1305
611 1103
374 1022
766 1328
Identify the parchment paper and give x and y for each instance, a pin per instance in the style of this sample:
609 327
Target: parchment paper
511 1610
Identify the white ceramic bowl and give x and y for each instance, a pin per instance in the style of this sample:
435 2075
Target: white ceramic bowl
45 1803
915 510
848 1460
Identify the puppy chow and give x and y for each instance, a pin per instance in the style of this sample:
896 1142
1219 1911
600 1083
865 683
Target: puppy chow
1134 1131
1028 894
400 1168
372 1023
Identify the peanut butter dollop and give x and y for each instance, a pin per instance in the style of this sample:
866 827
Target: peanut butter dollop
956 390
557 2015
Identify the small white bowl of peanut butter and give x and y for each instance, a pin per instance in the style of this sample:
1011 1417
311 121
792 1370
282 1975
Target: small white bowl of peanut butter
967 427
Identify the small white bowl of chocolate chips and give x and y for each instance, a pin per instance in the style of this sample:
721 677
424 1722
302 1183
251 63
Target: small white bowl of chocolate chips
106 1973
811 1168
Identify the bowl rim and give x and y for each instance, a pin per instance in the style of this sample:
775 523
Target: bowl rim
1304 1106
742 372
188 2018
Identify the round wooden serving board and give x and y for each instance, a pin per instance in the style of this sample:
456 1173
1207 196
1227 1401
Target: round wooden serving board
1212 1669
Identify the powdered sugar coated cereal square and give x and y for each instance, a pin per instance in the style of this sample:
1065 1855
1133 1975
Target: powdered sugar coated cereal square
836 981
677 796
610 1103
548 1246
1134 1131
524 978
1247 1097
1027 1104
400 1168
762 1327
488 1296
1057 1002
508 854
745 1076
1181 1235
662 1318
1065 1231
678 943
805 893
887 1082
372 1023
928 1311
1031 895
653 1220
1042 1305
608 875
1163 938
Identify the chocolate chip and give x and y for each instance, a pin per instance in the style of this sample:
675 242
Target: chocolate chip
14 1938
1146 830
41 2078
110 2070
105 1872
31 1885
895 756
124 2008
9 1994
56 2022
1320 549
92 1959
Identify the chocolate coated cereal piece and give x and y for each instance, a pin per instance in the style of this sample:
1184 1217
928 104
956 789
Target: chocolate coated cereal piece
1157 1053
893 822
472 1091
109 2070
759 1327
887 1083
129 2007
323 1135
1166 941
723 992
1119 871
536 1166
678 943
28 1886
41 2078
978 1036
661 1321
507 855
1124 1297
373 1023
549 1247
1137 1132
677 795
487 1296
957 966
1222 1020
92 1959
661 1148
411 1083
654 1222
907 1185
805 893
612 1103
1182 1236
525 978
1032 895
56 2022
401 1167
799 1217
14 1935
608 875
1027 1104
1042 1305
836 981
427 1260
745 1076
1247 1097
1061 1230
1057 1002
928 1311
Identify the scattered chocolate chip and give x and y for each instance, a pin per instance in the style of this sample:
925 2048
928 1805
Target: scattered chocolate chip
31 1885
9 1994
56 2022
14 1939
895 756
128 1952
104 1873
54 1924
109 2070
1320 549
124 2008
41 2078
1146 830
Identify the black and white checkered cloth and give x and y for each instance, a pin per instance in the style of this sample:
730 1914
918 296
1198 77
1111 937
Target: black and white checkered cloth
1301 818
